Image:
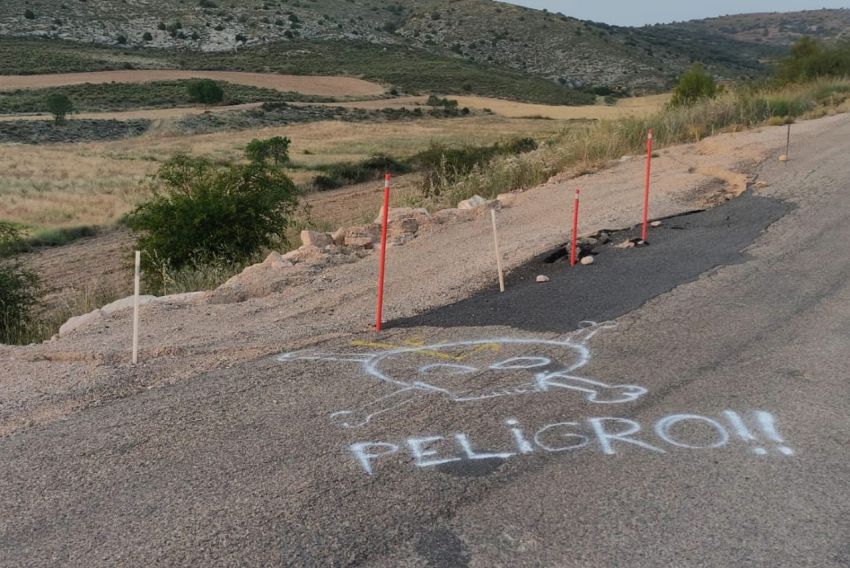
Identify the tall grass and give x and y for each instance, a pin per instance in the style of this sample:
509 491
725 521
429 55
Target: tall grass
582 150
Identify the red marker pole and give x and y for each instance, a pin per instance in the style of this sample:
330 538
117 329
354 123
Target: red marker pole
379 315
574 241
645 233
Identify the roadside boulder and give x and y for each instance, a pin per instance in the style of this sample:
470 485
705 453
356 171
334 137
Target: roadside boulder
364 236
507 200
305 253
542 279
125 303
80 322
339 237
450 215
474 202
316 239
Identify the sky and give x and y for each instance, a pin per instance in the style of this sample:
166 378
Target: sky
640 12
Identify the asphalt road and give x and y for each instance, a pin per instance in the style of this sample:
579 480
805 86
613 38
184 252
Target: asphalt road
707 426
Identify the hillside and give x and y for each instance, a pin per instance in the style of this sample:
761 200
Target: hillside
775 28
379 39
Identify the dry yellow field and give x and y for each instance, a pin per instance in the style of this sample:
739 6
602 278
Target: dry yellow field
327 86
638 106
64 185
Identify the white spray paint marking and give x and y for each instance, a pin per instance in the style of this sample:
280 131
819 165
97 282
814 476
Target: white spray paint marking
460 377
492 379
663 426
613 435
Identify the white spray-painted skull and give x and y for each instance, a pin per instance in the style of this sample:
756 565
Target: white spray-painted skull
466 371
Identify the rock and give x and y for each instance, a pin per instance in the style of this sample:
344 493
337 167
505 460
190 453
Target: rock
451 215
187 298
125 303
587 242
761 184
625 158
783 158
587 260
474 202
507 200
272 275
316 239
399 213
626 244
655 224
80 322
408 225
603 238
364 236
542 278
276 260
339 237
302 254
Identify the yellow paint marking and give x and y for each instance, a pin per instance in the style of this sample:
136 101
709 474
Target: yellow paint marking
493 347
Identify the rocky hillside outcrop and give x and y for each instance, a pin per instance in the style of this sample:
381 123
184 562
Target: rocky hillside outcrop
540 43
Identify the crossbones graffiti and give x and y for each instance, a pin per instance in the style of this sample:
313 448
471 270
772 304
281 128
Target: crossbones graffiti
474 370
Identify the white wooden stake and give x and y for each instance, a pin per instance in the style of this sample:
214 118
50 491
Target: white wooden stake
498 252
136 309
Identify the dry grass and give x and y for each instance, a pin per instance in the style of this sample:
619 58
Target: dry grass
304 84
66 185
639 106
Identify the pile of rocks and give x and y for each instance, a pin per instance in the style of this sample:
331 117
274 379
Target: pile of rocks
318 250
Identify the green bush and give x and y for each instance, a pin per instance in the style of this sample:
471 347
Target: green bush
20 290
59 106
442 167
694 85
810 60
346 173
203 212
10 239
205 91
275 149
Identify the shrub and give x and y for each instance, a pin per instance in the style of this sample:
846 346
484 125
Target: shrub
10 239
810 60
59 106
29 15
20 290
442 167
205 91
147 36
694 85
275 149
203 212
339 175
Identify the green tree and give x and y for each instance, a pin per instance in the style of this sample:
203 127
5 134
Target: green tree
20 290
275 149
205 91
810 60
59 106
203 212
694 85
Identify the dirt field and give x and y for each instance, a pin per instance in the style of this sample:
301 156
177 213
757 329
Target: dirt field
637 106
307 85
146 114
95 183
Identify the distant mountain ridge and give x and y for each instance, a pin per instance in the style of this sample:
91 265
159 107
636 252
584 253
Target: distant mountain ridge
557 47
